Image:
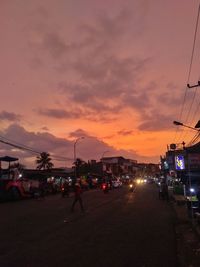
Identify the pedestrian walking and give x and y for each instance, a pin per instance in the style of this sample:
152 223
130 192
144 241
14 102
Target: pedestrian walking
77 197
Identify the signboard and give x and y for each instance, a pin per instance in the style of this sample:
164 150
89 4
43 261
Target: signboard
166 166
179 162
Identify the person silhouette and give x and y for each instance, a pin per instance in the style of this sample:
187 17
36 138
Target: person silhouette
77 197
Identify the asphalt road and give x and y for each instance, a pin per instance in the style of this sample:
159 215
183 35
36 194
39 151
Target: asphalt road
119 229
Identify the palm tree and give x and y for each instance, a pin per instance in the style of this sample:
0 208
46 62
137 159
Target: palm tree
44 161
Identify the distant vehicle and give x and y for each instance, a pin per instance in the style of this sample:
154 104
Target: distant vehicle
116 183
13 186
105 187
65 188
92 181
131 187
140 181
150 181
53 184
84 184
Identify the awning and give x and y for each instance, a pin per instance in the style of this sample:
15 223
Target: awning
8 159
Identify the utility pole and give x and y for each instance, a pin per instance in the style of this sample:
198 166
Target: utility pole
75 160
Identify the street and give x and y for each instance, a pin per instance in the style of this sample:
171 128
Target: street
118 229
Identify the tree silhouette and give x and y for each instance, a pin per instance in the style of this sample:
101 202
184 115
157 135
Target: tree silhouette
78 164
44 161
18 166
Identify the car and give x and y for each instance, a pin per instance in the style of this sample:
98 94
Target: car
116 183
150 181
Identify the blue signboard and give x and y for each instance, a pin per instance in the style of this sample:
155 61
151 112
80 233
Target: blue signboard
180 162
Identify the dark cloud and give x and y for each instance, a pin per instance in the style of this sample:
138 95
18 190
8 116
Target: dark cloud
109 136
78 133
101 80
86 113
113 26
112 90
9 116
156 122
110 74
88 148
125 132
169 99
60 113
45 128
54 43
106 80
39 142
138 101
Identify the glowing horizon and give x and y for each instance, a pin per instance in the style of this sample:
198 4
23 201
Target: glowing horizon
113 73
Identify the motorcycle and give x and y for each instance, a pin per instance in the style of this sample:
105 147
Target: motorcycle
131 187
64 191
105 187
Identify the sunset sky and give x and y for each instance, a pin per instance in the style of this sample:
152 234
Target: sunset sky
113 71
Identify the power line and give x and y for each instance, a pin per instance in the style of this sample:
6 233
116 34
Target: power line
188 78
187 118
19 147
192 102
22 147
196 111
194 139
193 47
191 61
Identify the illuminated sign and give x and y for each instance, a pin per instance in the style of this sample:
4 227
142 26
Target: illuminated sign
166 166
180 162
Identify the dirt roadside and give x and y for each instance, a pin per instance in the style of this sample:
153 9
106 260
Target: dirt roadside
187 235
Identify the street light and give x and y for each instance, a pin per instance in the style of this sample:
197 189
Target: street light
181 124
78 139
196 128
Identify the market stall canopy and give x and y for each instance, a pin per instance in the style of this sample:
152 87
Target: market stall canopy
8 159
